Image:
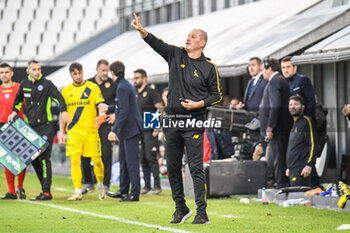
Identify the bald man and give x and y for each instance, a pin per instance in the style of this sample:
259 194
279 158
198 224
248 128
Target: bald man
194 84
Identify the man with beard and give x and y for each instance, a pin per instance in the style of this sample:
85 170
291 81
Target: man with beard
301 152
108 88
148 100
82 98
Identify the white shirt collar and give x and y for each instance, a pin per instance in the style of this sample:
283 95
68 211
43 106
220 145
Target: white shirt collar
256 78
273 75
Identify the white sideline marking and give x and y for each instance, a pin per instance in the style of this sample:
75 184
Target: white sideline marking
223 216
344 227
158 205
123 220
61 189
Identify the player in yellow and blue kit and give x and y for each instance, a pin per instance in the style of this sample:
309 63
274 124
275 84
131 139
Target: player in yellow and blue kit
83 139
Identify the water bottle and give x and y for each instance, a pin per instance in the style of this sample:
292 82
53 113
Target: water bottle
264 199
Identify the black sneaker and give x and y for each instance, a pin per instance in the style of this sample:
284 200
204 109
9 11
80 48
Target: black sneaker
145 190
9 196
21 193
87 188
201 219
41 197
180 216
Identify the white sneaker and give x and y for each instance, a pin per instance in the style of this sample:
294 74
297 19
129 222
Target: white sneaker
101 193
75 197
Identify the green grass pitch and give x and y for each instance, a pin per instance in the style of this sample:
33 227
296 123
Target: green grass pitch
152 214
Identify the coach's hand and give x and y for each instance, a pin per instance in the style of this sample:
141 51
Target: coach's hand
136 24
189 104
12 116
112 137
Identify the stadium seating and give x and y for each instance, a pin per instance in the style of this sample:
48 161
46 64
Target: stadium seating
43 29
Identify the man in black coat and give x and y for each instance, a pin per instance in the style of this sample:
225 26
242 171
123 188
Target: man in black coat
127 129
300 85
275 119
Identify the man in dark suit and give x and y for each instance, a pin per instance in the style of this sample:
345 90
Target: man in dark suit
255 88
299 85
127 129
275 119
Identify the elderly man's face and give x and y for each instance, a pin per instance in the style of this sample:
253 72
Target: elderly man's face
195 41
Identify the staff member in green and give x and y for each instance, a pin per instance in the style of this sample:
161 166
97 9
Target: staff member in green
194 84
37 93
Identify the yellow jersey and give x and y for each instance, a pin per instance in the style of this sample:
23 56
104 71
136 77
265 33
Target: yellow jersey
81 104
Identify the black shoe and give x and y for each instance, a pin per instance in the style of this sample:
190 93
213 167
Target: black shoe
87 188
21 193
41 197
145 190
115 195
180 216
201 219
9 196
128 198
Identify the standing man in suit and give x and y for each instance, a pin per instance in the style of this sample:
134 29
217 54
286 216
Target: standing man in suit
299 85
275 119
256 85
127 129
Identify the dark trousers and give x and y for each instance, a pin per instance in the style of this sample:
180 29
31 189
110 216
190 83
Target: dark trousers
278 146
296 180
42 164
106 145
129 166
149 160
174 150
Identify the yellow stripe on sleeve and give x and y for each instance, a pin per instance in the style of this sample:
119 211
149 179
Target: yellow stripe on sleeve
312 139
218 82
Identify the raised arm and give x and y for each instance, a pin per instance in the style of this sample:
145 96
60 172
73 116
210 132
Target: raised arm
165 50
136 24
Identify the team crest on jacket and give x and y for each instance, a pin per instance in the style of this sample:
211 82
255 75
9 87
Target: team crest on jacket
107 85
144 94
40 87
7 95
195 73
182 66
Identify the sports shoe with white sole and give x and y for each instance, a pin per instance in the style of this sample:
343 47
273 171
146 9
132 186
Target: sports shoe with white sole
180 216
75 197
